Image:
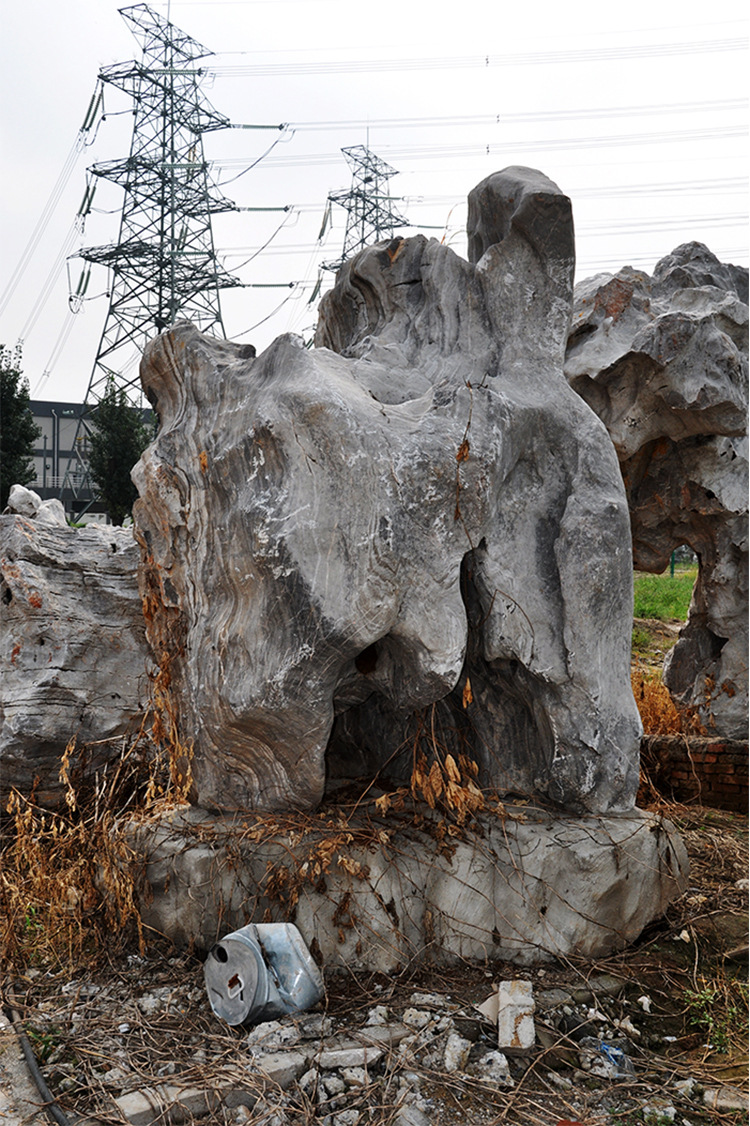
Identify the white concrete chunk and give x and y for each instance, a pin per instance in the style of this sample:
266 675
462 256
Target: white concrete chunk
515 1017
349 1057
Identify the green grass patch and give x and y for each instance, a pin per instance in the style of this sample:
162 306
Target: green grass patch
641 640
664 596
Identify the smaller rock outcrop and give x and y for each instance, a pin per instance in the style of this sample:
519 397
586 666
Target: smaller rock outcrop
663 362
73 655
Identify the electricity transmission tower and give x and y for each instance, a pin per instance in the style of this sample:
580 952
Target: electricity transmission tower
371 216
163 265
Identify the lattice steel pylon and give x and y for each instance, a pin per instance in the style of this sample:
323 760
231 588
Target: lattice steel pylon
163 265
371 215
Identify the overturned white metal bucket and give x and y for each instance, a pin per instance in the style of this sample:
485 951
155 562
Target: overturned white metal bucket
260 972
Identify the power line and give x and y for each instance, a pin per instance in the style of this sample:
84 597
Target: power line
93 114
614 227
644 226
48 285
501 149
587 263
730 185
332 67
257 250
725 105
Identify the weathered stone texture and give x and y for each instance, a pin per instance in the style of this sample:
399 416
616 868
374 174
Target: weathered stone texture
73 652
525 887
663 362
417 514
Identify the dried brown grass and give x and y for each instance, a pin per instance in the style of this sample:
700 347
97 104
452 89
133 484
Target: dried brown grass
659 715
70 882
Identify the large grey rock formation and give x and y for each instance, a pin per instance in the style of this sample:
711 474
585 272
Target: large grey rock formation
73 652
414 535
663 362
523 885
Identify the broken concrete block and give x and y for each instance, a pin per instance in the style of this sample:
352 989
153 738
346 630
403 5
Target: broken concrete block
309 1081
282 1068
271 1035
456 1052
725 1098
388 1035
416 1018
346 1118
334 1085
350 1055
411 1116
168 1104
515 1016
493 1068
354 1076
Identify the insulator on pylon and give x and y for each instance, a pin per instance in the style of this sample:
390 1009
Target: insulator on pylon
326 221
88 199
94 105
316 289
83 282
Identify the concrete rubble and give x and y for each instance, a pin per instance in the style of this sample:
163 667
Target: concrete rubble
329 1066
383 1055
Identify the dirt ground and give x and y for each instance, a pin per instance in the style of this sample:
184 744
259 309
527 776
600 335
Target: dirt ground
678 996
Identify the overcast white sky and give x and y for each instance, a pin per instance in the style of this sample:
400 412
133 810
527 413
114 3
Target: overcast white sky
637 111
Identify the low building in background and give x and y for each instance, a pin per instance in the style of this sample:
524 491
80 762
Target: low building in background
61 459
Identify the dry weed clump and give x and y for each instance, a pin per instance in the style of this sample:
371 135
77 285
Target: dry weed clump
52 889
659 715
70 883
445 781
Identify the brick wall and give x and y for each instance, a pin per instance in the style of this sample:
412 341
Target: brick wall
682 768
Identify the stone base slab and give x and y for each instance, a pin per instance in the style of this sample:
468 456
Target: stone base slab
521 885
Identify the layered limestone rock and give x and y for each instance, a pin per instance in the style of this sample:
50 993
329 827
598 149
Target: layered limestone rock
525 886
73 653
413 538
663 362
